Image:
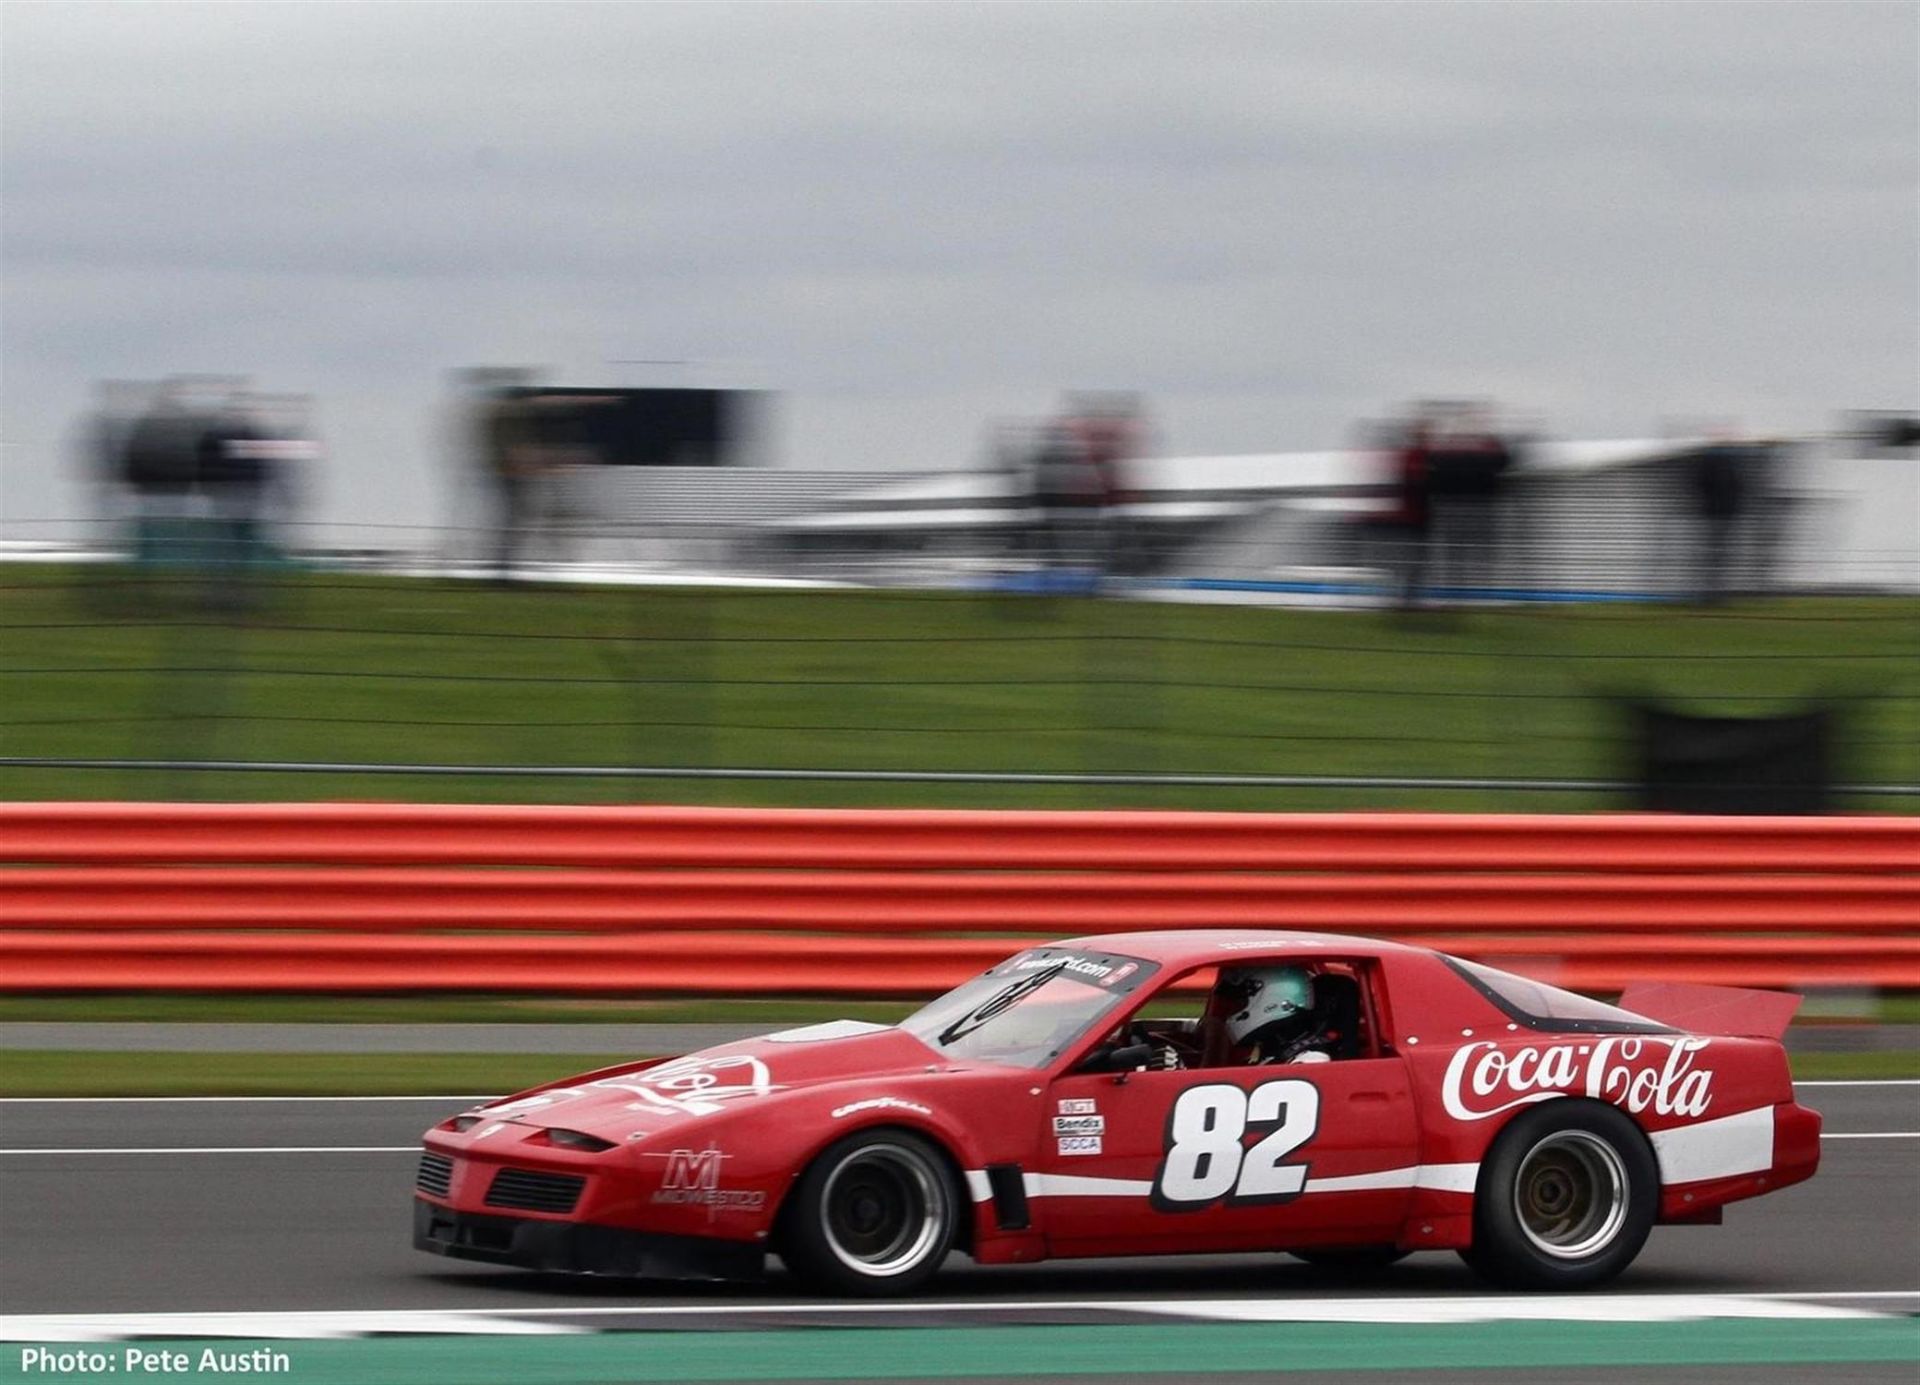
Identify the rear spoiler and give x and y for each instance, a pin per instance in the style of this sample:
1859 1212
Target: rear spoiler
1724 1010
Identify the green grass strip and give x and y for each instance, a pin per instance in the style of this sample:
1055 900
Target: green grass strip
85 1072
358 668
1171 1349
1830 1067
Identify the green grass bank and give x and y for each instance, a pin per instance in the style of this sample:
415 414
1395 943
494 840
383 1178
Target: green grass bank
359 668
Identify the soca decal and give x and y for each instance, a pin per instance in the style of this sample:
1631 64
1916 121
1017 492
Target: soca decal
1484 1079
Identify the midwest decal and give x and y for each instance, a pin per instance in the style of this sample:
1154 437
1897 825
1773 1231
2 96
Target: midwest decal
692 1178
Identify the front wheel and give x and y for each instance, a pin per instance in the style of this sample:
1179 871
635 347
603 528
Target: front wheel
875 1214
1565 1200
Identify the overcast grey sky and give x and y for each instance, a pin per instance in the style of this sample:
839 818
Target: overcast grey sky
909 219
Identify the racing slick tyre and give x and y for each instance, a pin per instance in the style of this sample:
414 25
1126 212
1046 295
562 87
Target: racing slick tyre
1565 1199
875 1214
1353 1262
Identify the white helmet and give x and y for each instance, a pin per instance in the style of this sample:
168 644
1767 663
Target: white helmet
1267 996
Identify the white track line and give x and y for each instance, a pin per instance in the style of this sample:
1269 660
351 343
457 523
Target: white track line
526 1318
1864 1082
1875 1135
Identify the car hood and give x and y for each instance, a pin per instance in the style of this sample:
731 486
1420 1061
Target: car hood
635 1100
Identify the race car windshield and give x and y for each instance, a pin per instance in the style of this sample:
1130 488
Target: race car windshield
1029 1009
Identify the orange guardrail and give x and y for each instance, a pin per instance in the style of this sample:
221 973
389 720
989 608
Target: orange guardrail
753 901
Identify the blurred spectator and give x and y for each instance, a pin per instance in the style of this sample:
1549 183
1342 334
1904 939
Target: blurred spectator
161 472
1467 466
1768 512
1717 477
197 473
1009 460
1409 522
104 434
560 456
509 457
232 476
1108 430
1067 493
269 444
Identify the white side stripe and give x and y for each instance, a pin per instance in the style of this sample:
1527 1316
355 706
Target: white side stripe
1073 1185
1451 1178
1721 1148
1362 1182
1447 1178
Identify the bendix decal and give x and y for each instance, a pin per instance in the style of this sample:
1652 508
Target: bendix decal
1079 1125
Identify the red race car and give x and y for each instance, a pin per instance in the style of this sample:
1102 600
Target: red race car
1346 1100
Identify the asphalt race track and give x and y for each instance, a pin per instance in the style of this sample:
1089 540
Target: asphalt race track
300 1207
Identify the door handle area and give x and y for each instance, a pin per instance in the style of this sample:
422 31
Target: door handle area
1358 1097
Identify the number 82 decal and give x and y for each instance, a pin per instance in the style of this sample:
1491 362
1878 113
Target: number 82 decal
1207 1158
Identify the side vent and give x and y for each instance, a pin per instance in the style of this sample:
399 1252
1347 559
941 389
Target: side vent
1009 1196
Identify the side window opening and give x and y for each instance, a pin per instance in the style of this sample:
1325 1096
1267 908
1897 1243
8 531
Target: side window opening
1187 1024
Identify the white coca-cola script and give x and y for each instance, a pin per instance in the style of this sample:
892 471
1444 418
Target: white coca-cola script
1484 1079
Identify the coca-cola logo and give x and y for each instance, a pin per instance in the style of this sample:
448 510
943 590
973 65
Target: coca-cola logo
1484 1079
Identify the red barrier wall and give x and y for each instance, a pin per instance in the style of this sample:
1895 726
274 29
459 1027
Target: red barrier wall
738 901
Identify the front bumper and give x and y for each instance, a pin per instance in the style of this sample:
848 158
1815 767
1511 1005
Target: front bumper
579 1248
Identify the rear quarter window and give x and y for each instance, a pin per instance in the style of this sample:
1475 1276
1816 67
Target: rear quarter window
1540 1006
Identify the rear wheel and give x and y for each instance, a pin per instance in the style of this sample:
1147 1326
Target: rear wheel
875 1214
1565 1199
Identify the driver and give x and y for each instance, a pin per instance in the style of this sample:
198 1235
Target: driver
1269 1013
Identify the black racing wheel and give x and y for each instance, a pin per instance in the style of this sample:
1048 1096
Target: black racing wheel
875 1214
1565 1198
